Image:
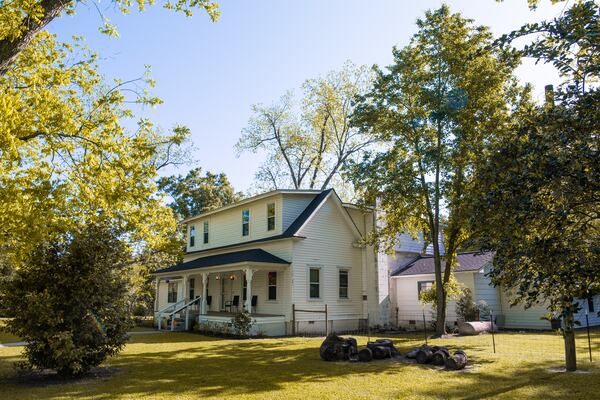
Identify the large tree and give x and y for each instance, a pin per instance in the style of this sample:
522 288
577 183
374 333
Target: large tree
308 144
22 20
539 200
194 194
435 108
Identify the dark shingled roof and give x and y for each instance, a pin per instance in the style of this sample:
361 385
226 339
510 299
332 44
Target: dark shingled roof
465 262
254 255
289 232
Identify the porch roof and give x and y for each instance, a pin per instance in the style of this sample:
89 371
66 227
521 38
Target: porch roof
236 257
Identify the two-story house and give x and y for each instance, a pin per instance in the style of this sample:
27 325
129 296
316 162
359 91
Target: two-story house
274 253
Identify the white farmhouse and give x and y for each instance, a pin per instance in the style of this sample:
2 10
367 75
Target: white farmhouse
295 259
271 254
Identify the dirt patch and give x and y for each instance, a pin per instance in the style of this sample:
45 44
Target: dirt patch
49 377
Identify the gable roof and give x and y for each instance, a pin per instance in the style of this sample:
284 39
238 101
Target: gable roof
250 200
252 255
291 230
466 262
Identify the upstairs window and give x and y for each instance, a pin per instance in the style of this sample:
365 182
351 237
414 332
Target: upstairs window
192 236
315 283
591 304
205 232
270 216
172 292
343 284
272 284
245 222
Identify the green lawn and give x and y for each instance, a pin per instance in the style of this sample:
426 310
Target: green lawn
6 337
186 366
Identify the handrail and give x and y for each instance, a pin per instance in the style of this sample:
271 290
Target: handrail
160 313
175 311
184 306
164 310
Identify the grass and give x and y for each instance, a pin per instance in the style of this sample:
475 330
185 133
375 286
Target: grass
189 366
6 337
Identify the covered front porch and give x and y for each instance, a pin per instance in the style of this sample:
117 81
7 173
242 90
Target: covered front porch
211 290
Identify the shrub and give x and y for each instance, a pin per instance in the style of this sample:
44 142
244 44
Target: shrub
241 323
69 301
466 308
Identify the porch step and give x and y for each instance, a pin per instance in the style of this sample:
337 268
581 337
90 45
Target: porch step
178 324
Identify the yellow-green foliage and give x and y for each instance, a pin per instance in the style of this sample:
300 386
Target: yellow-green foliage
189 366
67 156
453 289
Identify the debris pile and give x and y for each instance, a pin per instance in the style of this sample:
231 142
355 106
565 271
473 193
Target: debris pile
439 356
337 348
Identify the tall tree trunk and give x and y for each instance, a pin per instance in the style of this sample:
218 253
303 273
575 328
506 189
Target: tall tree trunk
569 337
10 49
440 325
440 293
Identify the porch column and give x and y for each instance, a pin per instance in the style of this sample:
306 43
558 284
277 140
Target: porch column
156 294
249 274
186 283
204 292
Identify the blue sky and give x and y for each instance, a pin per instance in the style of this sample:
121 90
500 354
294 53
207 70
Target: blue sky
210 74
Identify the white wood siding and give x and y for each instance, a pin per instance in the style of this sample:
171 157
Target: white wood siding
518 317
226 227
163 292
484 290
406 299
328 246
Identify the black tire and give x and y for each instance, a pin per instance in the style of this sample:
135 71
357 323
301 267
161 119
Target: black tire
365 355
381 352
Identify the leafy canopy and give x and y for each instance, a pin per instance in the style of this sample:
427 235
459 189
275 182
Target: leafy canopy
67 158
194 194
308 142
22 20
538 203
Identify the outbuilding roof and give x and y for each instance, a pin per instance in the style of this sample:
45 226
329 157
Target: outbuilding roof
253 255
423 265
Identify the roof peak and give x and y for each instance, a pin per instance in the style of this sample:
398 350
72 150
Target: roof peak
255 198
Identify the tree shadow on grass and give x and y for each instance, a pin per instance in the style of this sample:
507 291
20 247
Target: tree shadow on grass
172 364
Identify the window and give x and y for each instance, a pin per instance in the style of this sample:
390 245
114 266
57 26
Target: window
423 285
315 286
245 222
172 292
192 235
591 304
343 284
245 289
272 285
270 216
205 231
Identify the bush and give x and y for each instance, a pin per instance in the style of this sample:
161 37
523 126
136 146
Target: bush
466 308
69 301
242 322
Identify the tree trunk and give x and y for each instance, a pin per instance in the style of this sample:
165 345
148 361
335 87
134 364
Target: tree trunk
569 336
10 49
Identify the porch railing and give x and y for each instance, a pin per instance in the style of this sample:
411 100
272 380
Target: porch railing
177 308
